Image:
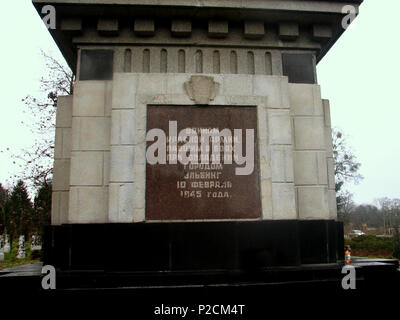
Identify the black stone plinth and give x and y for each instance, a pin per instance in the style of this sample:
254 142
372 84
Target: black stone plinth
193 246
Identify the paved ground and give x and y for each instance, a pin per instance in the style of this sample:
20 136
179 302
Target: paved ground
25 270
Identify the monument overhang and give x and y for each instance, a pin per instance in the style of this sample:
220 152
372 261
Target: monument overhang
262 4
310 15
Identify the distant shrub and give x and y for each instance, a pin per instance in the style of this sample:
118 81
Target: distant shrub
371 243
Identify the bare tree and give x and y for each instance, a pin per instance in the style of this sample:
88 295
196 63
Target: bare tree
346 165
346 170
36 162
345 205
390 209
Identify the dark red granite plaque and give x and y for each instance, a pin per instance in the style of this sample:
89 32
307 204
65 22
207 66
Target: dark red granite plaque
175 190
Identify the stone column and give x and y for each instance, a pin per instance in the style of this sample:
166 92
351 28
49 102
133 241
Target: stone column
62 161
21 248
89 172
310 170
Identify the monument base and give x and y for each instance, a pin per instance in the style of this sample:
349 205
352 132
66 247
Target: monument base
193 247
305 288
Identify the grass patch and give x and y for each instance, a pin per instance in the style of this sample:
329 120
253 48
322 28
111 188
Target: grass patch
10 259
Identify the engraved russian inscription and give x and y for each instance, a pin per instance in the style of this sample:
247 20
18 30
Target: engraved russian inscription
207 165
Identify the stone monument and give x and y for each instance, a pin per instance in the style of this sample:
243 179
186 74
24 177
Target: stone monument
7 247
35 243
21 254
1 248
151 78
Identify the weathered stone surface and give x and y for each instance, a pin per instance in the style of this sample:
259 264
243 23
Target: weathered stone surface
238 85
88 205
108 27
274 88
265 160
58 143
124 90
327 112
282 163
144 27
106 167
217 29
59 207
62 148
309 133
305 100
262 122
121 205
278 105
61 174
140 134
89 98
175 84
91 133
280 128
202 89
328 142
64 112
322 168
62 154
140 189
288 31
307 14
140 153
283 201
87 168
322 32
108 98
181 28
71 25
123 127
276 63
331 173
139 215
332 204
313 202
121 166
266 196
310 168
253 29
152 84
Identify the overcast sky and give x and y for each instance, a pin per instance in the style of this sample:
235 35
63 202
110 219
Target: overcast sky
360 77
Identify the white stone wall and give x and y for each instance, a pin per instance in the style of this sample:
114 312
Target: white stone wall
329 158
62 160
105 149
90 152
312 153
